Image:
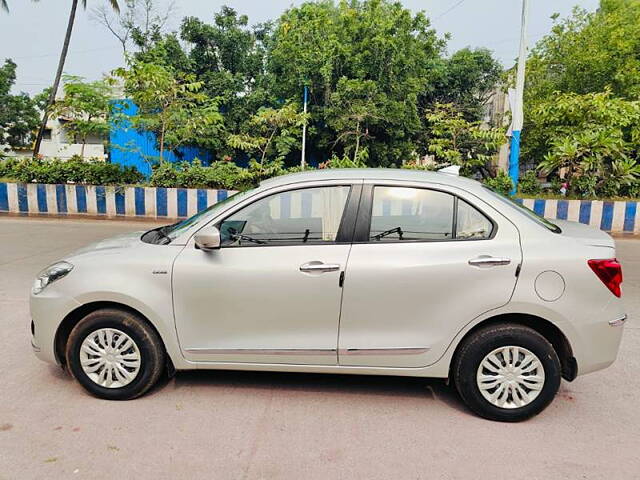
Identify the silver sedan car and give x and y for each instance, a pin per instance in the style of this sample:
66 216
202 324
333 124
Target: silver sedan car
375 272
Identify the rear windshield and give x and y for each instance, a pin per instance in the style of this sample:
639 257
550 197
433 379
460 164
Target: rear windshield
530 214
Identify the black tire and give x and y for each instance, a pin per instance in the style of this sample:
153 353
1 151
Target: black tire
482 342
152 355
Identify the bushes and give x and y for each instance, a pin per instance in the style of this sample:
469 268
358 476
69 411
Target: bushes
228 176
528 184
501 183
74 170
222 174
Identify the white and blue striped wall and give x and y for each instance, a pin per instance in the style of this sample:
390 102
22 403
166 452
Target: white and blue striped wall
620 216
90 200
157 202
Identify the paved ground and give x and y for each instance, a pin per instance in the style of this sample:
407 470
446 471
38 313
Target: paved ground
233 425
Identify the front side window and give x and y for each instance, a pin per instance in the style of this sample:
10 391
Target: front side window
406 214
296 217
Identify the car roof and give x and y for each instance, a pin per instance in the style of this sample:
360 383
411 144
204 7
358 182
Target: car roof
371 174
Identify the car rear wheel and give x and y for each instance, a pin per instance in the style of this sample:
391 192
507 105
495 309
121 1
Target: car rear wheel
114 354
507 372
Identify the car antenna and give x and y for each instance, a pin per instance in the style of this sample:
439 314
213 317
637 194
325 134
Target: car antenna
451 170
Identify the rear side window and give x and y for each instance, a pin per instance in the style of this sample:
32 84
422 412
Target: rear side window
401 213
416 214
471 223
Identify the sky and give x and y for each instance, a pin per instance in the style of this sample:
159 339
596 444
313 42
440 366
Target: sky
32 33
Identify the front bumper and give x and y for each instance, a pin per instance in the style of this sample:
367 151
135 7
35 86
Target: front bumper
48 310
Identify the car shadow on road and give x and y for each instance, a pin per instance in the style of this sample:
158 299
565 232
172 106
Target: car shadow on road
375 385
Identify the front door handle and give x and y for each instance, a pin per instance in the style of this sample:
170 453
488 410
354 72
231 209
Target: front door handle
488 261
319 267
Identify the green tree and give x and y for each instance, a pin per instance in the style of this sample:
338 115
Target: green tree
590 54
229 58
273 133
467 80
172 106
18 114
355 108
319 44
453 140
85 107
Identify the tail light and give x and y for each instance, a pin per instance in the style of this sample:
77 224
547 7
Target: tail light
610 272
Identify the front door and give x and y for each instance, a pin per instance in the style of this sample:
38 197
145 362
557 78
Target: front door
426 263
272 293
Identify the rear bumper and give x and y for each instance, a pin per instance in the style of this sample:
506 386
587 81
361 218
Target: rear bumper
600 343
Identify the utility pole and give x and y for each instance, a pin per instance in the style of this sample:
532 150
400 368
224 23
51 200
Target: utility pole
517 114
304 129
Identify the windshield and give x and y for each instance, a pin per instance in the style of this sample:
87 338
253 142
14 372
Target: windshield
530 214
168 233
177 229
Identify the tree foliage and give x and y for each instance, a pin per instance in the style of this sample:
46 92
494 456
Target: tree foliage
170 105
594 138
582 117
18 114
272 133
589 52
84 108
453 140
332 48
373 69
467 79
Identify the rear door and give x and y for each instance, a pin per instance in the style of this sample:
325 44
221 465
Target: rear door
426 261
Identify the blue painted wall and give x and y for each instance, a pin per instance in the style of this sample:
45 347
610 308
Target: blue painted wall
130 147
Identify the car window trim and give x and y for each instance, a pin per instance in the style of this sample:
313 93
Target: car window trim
365 214
344 234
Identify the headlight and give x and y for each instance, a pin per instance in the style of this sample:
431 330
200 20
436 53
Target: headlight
50 275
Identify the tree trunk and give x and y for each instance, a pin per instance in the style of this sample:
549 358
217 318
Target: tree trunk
162 145
56 81
266 147
355 153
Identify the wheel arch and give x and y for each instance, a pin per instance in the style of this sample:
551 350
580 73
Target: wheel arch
544 327
73 317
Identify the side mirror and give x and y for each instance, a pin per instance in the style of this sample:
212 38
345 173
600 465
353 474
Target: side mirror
207 238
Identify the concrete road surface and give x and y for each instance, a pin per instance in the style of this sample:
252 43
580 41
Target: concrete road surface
235 425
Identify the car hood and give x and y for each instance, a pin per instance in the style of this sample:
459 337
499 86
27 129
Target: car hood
585 234
119 242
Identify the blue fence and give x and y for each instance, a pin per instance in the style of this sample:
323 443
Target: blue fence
107 201
155 202
131 147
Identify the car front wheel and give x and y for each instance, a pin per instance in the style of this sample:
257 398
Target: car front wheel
507 372
114 354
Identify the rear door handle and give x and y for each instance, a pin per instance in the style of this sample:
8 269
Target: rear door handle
488 261
319 267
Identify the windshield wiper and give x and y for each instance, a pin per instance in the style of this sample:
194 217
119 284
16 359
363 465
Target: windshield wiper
239 236
247 238
391 231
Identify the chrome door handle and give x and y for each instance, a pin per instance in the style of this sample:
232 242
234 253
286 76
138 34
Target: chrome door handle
319 267
488 261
